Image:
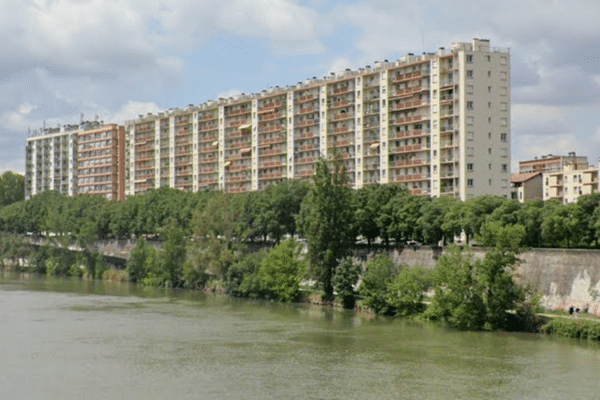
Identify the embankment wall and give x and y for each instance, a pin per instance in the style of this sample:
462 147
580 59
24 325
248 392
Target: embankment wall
564 277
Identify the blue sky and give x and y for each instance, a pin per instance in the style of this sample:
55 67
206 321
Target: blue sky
121 58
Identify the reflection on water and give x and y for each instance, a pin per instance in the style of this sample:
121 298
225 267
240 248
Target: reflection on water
73 339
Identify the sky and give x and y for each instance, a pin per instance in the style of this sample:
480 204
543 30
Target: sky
116 59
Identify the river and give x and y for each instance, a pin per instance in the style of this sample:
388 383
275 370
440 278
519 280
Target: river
74 339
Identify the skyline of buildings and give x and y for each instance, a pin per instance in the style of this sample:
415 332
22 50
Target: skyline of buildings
436 124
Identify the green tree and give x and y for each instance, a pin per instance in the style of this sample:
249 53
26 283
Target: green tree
12 188
405 294
326 220
477 294
137 260
366 213
281 271
457 299
346 276
433 216
380 271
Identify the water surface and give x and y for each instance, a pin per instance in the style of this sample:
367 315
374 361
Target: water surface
72 339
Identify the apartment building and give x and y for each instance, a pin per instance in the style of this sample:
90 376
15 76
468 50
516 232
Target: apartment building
72 159
555 177
50 161
436 124
100 161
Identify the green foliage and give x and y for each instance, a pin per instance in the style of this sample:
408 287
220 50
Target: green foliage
14 248
573 328
457 298
475 294
114 275
241 279
136 263
433 216
405 294
12 188
326 220
280 272
380 271
346 277
495 233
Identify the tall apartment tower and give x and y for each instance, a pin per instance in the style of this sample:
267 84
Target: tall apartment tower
436 124
83 158
50 161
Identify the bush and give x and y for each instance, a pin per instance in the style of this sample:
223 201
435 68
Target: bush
241 278
280 272
346 276
380 272
115 275
406 293
573 328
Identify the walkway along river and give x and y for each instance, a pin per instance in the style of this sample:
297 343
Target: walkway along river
74 339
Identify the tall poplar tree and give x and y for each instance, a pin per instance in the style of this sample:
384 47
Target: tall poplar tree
326 221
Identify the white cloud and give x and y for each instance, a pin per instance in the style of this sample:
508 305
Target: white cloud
26 108
130 111
338 65
229 93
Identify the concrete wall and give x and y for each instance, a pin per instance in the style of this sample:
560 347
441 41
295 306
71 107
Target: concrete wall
565 277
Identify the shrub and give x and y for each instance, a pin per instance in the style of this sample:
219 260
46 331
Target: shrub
280 272
379 273
406 293
346 276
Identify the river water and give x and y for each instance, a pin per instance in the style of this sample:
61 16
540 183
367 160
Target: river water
72 339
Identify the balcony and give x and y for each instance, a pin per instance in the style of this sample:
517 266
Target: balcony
271 107
308 122
406 77
270 129
306 110
270 117
406 120
305 98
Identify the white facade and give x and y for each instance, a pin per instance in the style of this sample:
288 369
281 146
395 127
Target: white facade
436 124
50 161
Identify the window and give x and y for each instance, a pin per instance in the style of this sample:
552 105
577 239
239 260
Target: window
469 89
503 121
489 104
469 105
490 182
490 135
470 183
504 152
435 153
490 167
434 78
435 94
470 74
470 151
489 150
470 167
489 58
434 64
503 60
503 75
470 135
469 58
469 120
503 106
434 109
503 91
435 124
504 167
489 74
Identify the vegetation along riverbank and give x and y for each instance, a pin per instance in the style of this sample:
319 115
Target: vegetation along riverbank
207 236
